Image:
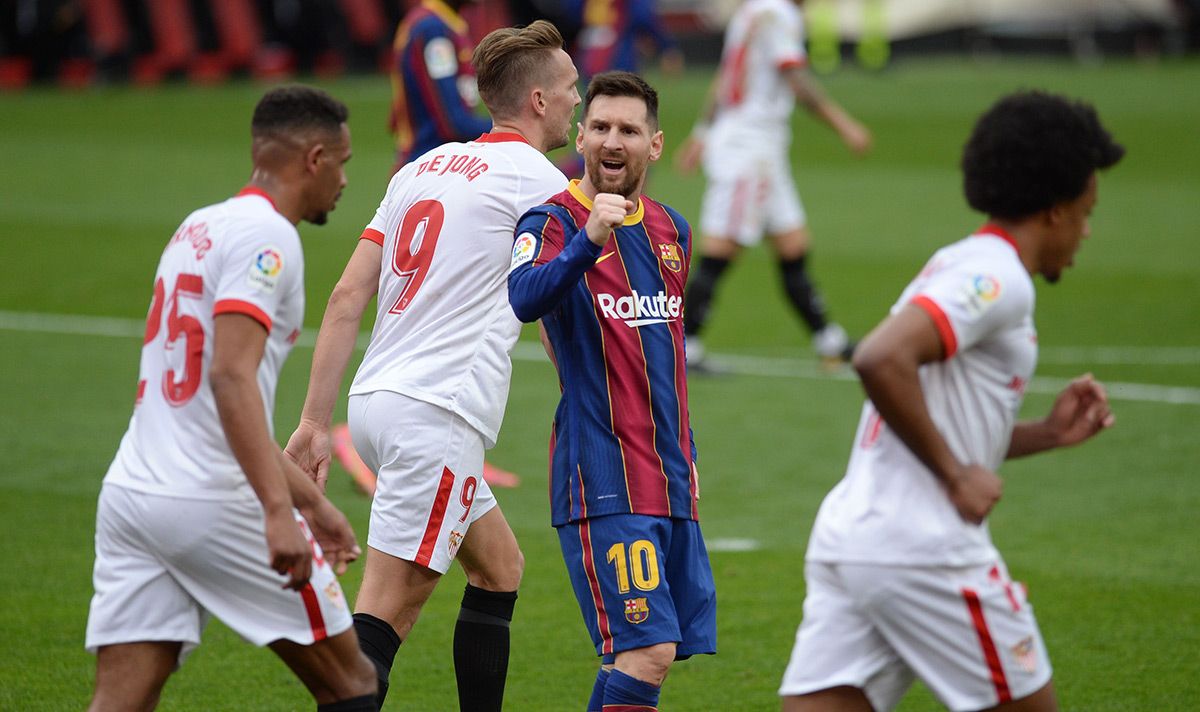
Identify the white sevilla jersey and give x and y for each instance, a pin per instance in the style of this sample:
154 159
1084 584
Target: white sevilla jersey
239 256
444 328
764 38
889 508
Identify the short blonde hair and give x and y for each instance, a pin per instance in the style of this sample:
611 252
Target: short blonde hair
512 60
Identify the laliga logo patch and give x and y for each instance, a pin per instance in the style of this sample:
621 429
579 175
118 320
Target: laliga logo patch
265 271
522 250
670 256
636 610
979 293
439 58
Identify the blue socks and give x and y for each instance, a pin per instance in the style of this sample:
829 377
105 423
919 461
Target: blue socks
628 694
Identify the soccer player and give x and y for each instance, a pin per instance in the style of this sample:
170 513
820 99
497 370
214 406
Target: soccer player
743 137
429 395
200 513
612 32
902 578
604 267
434 92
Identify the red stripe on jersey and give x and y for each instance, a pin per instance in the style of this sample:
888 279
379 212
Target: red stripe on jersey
791 62
373 235
237 306
996 231
501 138
589 570
255 190
941 321
735 75
428 89
989 647
312 607
627 375
434 526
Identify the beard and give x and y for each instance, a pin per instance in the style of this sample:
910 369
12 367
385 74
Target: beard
319 218
626 185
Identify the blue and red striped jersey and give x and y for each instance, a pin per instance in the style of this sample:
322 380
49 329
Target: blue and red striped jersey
622 440
613 32
433 83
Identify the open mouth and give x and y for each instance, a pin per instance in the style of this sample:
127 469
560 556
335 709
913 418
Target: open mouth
612 166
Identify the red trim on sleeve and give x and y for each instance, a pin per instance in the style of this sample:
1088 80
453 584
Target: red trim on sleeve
791 62
501 137
941 321
433 527
373 235
1003 694
237 306
996 231
255 190
312 607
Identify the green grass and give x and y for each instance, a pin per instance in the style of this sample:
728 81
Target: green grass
1105 535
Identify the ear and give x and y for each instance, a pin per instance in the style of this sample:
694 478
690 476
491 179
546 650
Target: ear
313 156
579 138
537 99
656 146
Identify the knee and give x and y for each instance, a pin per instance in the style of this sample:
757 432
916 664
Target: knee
502 574
649 664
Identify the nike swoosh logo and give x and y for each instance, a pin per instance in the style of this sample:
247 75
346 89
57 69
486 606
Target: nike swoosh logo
604 257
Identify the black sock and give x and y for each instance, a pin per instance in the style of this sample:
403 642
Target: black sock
803 293
366 703
379 642
481 648
697 298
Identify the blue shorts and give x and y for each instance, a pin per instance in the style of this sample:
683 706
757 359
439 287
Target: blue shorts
640 581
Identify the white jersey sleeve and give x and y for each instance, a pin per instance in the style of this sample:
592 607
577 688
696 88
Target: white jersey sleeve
889 508
259 272
782 35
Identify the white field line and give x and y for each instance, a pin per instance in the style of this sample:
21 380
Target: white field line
737 365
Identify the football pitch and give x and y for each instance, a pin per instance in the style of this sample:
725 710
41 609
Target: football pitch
1106 535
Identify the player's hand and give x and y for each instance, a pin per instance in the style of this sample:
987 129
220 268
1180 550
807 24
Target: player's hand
290 552
689 155
309 449
856 137
1080 411
332 531
974 491
608 212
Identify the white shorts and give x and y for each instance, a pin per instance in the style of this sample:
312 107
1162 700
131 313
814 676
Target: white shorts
165 564
968 633
429 464
748 195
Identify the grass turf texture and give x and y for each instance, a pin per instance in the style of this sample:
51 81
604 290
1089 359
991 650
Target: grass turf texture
1105 535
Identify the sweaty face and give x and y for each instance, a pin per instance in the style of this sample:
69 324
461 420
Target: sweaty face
1069 228
561 97
617 143
330 177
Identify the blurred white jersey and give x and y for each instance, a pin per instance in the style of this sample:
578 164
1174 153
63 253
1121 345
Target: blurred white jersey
239 256
444 328
754 100
889 508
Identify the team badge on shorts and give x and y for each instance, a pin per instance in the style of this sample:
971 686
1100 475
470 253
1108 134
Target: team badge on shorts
1025 655
636 610
669 253
334 593
455 541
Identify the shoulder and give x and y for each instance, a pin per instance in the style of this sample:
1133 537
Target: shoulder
657 211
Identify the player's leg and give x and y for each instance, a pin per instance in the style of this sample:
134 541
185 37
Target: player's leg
833 699
494 564
717 252
337 674
130 676
1044 700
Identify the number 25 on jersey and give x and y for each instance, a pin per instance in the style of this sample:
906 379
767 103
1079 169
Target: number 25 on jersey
177 388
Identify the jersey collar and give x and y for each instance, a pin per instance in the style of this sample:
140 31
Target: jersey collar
586 202
501 137
254 190
448 15
996 231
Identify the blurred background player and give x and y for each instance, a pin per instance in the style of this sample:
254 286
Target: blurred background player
615 33
604 267
429 395
224 526
902 578
434 93
743 137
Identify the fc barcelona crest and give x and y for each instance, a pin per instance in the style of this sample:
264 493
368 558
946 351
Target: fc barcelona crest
636 609
669 252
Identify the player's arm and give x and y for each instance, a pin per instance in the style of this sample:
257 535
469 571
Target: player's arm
888 362
238 344
812 96
534 290
309 444
329 526
687 159
1080 411
455 118
646 21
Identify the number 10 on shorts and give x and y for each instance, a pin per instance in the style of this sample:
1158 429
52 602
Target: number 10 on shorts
640 564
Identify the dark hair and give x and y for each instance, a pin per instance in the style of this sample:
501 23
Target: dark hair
624 84
509 61
1033 150
297 108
